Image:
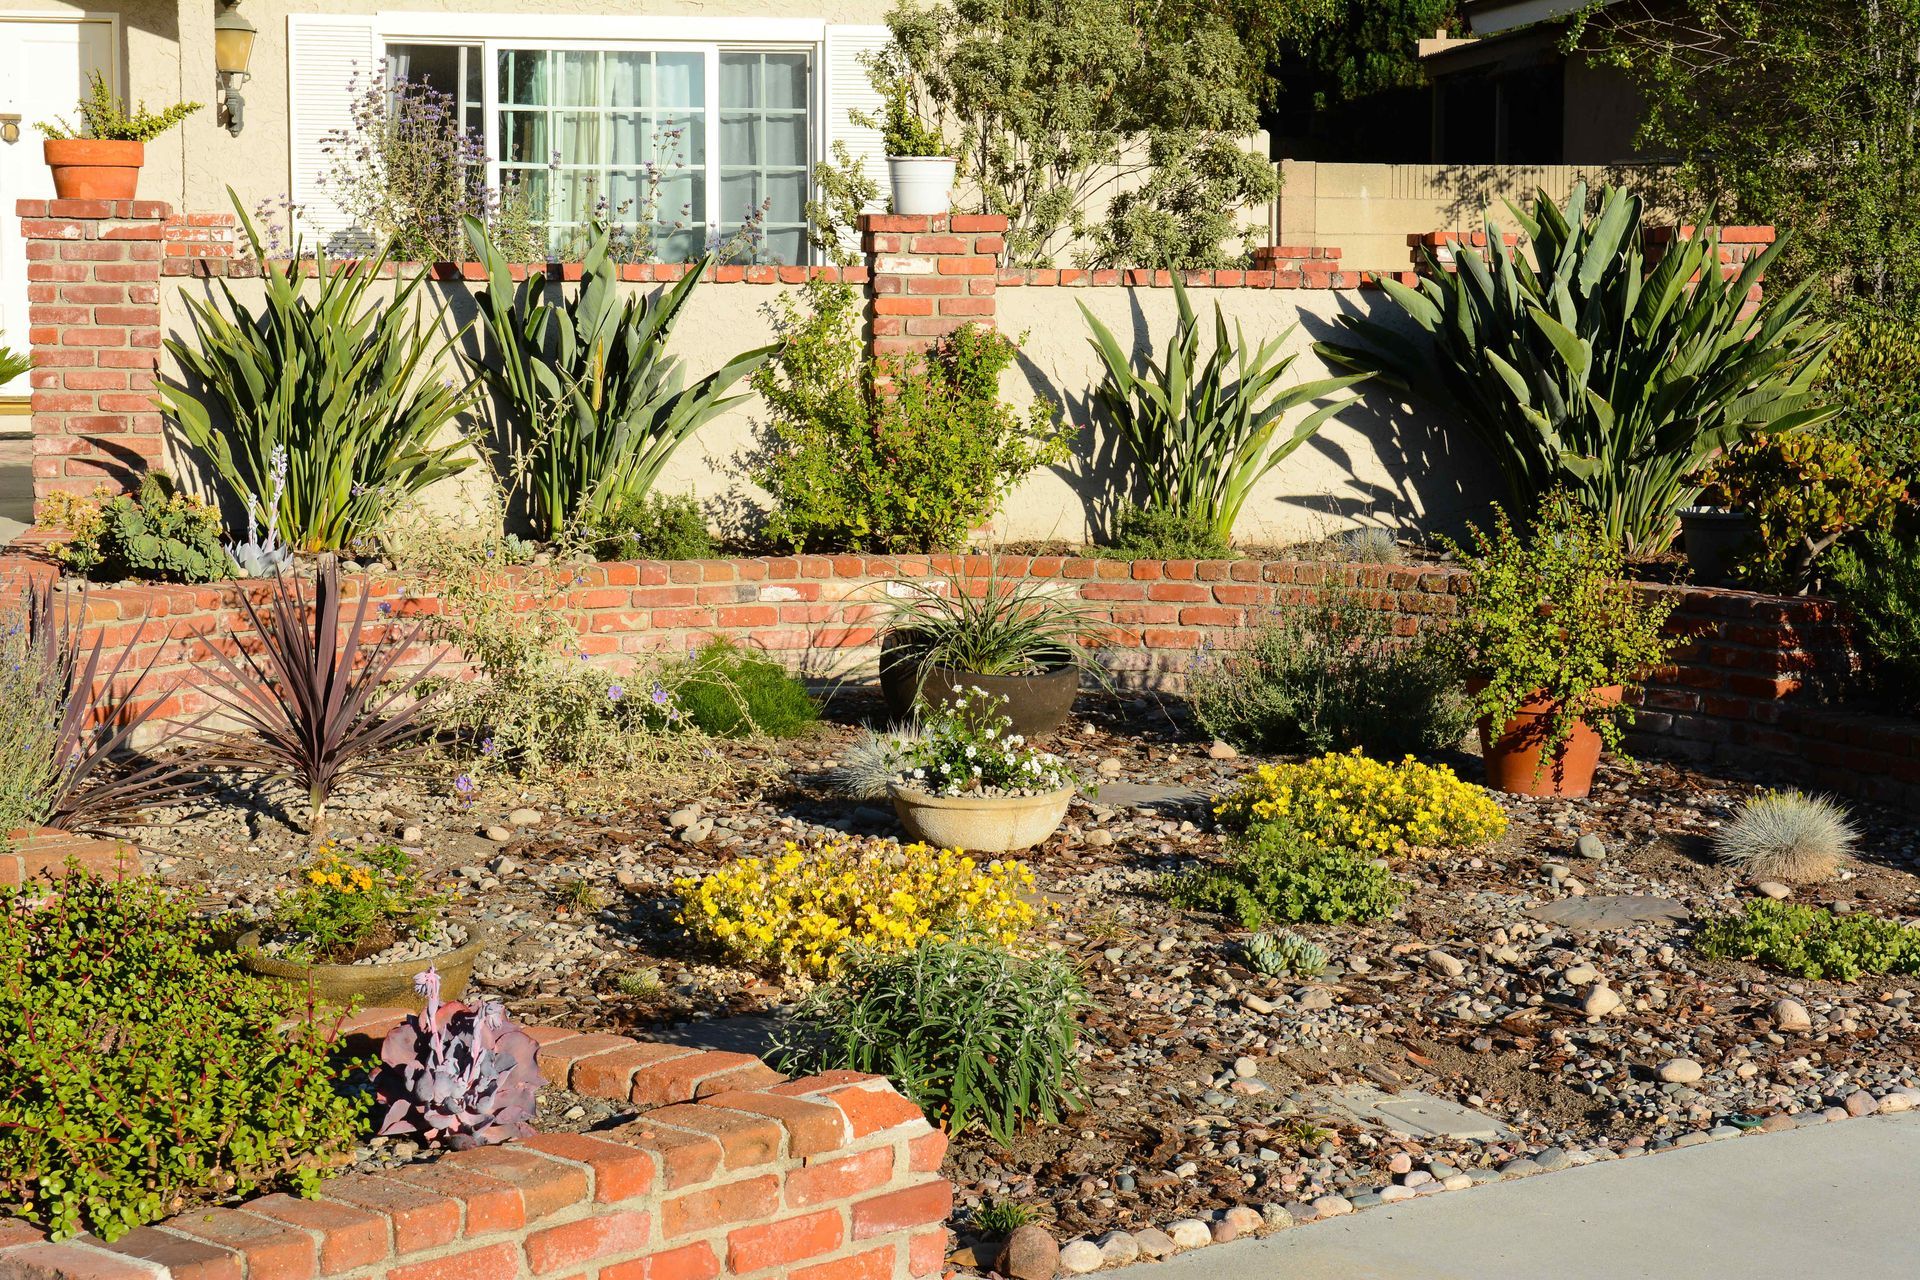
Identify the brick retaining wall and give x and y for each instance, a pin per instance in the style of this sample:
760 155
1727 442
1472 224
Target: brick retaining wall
1745 687
731 1170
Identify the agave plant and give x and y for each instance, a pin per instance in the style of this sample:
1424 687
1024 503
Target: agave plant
591 406
341 383
1595 374
1201 434
457 1074
310 705
85 773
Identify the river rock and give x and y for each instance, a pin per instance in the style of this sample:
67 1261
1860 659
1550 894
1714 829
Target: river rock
1790 1015
1190 1233
1600 1001
1030 1253
1681 1071
1078 1257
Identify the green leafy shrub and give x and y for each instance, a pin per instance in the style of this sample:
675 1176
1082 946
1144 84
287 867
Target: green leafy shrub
1596 375
1552 616
158 533
336 379
1199 435
904 128
916 469
1275 875
593 406
1811 942
974 1033
139 1064
1873 378
1804 493
106 117
731 692
651 526
1879 582
1331 676
1157 533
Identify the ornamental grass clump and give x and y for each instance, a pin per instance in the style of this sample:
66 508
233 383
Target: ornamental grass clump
1786 836
802 910
1812 942
1347 801
139 1065
975 1034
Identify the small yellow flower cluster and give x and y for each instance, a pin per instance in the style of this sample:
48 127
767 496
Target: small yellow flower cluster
801 909
331 871
1351 802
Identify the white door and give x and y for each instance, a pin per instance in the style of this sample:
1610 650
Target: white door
44 67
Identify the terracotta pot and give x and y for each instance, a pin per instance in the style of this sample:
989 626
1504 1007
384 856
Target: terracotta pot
1037 704
377 985
982 824
94 168
1516 762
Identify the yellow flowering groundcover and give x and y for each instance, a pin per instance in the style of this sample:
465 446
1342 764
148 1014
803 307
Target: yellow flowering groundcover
799 910
1350 802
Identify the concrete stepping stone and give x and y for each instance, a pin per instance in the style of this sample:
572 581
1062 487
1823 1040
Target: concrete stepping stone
1419 1115
1621 911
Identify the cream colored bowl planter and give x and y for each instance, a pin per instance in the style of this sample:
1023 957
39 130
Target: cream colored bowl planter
980 824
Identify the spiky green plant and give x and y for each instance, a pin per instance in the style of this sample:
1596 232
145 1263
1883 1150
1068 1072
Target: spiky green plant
13 364
1596 374
1201 433
592 406
344 380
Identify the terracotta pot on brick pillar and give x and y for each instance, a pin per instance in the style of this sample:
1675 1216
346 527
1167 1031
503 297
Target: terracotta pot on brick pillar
94 168
1517 761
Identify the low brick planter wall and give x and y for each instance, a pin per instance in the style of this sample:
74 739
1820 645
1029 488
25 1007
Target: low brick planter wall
732 1170
45 853
1744 688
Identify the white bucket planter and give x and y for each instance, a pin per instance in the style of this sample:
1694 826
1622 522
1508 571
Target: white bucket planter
980 824
921 184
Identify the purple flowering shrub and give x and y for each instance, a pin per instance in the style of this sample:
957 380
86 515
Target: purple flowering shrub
457 1074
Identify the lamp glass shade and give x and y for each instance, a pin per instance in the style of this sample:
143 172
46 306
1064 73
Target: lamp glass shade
232 43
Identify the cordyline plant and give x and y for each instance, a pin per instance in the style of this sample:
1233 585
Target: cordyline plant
314 706
1201 434
457 1074
66 772
1595 374
591 405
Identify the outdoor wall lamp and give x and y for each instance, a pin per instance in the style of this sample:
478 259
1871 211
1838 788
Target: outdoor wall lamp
232 50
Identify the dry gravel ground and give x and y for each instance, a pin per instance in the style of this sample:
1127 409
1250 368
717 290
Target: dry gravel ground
1211 1087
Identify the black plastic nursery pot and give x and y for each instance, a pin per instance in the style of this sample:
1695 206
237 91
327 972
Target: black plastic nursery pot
1714 540
1037 704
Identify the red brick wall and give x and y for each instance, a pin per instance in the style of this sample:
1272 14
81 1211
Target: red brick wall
731 1170
1745 686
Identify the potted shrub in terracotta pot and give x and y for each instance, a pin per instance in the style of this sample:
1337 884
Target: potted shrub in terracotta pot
920 167
100 158
1552 636
1024 645
964 780
361 923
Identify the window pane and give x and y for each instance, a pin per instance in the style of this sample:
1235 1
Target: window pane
766 149
679 80
524 137
580 79
524 77
783 80
788 245
739 81
785 137
788 191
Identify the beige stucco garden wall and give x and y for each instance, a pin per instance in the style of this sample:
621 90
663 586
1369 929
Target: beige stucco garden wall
167 56
1379 463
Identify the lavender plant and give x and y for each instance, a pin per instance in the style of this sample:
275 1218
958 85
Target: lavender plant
409 173
457 1074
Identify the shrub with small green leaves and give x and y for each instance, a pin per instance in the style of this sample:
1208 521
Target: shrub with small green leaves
1811 942
139 1064
1879 582
1274 875
732 692
974 1033
651 526
109 118
1161 533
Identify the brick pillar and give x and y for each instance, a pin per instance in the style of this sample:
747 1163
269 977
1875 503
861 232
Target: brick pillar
93 317
929 275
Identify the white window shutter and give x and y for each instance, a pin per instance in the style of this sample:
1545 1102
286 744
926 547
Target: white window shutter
848 89
325 55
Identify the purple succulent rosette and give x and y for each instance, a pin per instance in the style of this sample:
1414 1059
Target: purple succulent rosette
457 1074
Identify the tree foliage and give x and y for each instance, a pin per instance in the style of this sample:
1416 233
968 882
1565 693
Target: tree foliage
1349 49
1054 107
1796 112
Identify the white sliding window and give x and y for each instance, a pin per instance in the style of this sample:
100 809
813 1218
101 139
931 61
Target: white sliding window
766 133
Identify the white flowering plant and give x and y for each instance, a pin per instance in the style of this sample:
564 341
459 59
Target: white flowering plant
965 746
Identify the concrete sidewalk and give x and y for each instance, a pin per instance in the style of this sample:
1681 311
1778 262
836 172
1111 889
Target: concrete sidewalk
1836 1200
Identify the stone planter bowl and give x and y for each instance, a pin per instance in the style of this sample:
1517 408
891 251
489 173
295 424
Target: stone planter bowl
980 824
388 985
